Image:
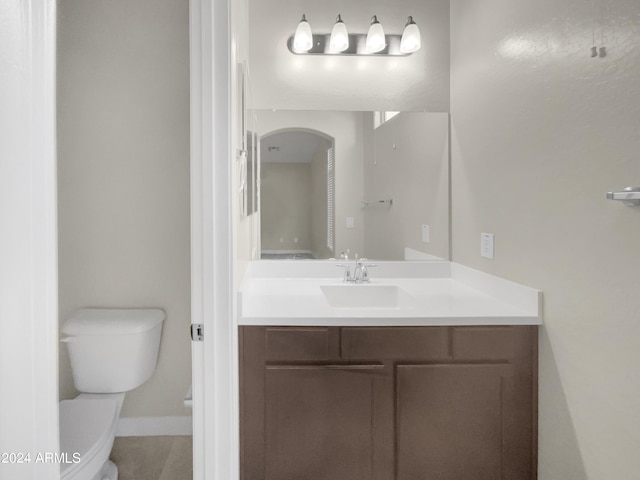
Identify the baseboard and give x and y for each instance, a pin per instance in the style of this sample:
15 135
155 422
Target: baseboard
153 426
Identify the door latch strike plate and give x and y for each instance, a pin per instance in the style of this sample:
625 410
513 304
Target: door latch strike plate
197 332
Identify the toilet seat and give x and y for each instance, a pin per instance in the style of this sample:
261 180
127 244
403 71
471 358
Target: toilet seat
87 430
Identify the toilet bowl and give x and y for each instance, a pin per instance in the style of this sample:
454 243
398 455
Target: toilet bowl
111 351
87 430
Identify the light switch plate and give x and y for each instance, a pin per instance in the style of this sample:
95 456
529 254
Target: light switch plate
349 222
487 245
426 234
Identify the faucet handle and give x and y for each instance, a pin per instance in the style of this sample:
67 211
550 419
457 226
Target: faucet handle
347 271
362 261
365 271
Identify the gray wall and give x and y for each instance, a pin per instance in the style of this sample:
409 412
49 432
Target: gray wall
123 176
540 132
409 163
286 206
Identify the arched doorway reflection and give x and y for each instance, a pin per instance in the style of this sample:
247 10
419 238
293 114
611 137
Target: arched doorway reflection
297 195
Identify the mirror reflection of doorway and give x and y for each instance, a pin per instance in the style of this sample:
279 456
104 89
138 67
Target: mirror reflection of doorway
297 195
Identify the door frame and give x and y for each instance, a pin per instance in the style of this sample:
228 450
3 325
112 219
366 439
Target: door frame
28 255
215 399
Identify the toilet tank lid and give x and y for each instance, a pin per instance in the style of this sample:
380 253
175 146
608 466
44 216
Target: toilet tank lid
100 321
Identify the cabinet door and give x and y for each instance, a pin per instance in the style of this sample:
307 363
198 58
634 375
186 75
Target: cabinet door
307 413
321 422
456 422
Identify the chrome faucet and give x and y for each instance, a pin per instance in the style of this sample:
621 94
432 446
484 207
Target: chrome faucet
360 271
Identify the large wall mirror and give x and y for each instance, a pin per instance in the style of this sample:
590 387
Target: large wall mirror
335 183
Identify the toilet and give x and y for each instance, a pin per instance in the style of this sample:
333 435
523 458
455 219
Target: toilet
112 351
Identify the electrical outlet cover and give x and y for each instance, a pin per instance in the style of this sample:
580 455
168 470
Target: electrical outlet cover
487 245
426 234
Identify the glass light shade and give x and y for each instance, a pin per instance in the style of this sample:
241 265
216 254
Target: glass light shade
303 39
339 41
375 37
410 37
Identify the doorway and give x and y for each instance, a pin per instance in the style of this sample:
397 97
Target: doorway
297 180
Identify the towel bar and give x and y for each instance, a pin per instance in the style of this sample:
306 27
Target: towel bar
630 196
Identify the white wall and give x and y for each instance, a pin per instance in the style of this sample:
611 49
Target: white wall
287 81
540 132
123 130
347 130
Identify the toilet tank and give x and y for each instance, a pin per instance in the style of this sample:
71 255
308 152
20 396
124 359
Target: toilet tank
113 349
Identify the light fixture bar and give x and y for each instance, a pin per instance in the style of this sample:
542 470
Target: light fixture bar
357 46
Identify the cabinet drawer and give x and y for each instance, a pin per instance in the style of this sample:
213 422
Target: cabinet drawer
407 343
293 343
491 343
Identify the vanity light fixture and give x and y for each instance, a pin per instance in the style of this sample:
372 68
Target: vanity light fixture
303 39
340 42
410 41
375 37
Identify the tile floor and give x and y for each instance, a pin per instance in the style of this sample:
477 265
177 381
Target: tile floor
153 458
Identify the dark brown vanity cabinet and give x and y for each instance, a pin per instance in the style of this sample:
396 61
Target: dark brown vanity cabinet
386 403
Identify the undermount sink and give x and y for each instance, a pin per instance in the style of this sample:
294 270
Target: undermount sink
365 296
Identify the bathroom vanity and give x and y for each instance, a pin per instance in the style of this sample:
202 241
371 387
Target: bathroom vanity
437 380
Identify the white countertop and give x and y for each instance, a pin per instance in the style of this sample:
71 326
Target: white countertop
435 294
